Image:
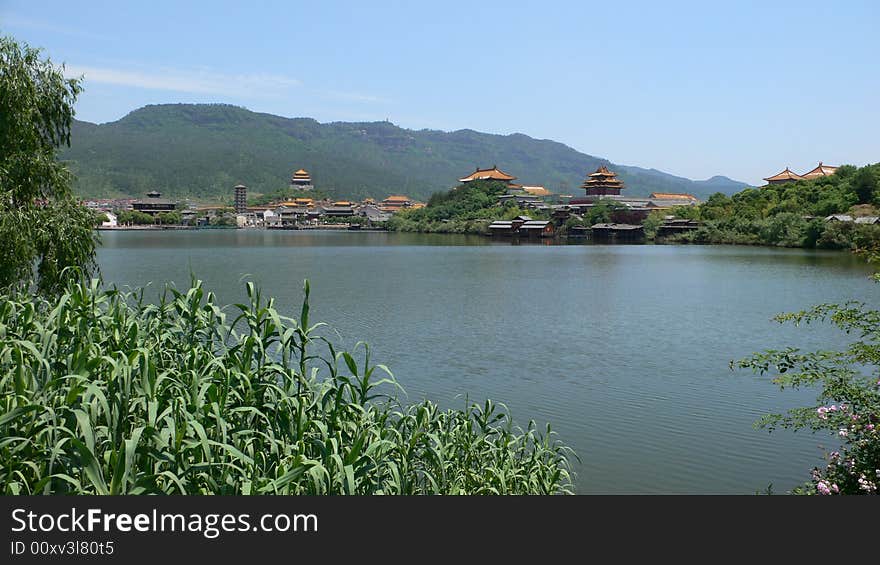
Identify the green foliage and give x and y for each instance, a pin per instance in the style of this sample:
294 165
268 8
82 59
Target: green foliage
204 150
602 212
169 218
848 403
790 214
224 220
103 393
865 184
653 222
468 208
41 224
134 217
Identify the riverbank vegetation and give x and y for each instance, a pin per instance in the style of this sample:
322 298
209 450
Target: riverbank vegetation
468 208
848 403
43 228
793 214
102 392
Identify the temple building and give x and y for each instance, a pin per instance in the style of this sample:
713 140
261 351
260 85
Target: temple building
396 202
301 180
820 171
490 174
154 204
785 176
602 183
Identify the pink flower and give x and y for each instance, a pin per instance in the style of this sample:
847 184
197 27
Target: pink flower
842 433
835 488
870 427
822 487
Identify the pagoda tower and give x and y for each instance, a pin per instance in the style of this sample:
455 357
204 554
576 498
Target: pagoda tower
602 183
301 180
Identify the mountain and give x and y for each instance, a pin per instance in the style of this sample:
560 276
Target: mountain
203 150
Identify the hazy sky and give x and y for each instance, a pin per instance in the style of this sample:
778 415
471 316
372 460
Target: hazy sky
741 89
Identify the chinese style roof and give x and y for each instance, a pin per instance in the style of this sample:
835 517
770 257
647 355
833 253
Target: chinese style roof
488 174
820 171
672 196
787 174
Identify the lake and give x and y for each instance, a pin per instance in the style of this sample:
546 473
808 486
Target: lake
624 349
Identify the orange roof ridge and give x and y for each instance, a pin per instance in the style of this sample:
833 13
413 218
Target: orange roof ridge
672 195
491 174
787 174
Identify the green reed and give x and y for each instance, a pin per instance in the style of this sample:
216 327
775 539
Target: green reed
102 392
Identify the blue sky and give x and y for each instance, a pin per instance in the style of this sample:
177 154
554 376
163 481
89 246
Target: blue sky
741 89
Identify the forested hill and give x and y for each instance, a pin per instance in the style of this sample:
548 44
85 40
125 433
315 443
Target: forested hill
203 150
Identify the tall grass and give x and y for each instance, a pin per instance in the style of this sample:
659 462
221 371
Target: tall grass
103 392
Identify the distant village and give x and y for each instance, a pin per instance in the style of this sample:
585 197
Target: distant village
302 212
297 213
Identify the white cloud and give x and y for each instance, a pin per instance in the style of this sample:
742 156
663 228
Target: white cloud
194 81
357 97
37 25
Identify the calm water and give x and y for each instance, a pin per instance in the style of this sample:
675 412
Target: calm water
624 349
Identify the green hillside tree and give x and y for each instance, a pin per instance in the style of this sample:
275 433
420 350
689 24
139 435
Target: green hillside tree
43 229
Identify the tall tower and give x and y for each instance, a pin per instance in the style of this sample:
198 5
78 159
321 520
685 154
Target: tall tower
240 199
602 183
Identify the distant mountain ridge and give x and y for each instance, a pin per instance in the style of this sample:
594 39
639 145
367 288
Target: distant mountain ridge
203 150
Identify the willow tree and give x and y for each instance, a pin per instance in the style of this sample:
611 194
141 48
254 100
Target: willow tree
43 229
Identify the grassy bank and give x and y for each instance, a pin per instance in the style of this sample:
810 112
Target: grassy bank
104 393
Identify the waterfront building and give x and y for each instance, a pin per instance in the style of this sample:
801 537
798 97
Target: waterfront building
154 204
618 232
537 228
240 199
820 171
336 211
673 226
602 182
301 180
783 177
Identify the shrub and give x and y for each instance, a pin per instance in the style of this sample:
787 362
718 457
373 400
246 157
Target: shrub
104 393
848 404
